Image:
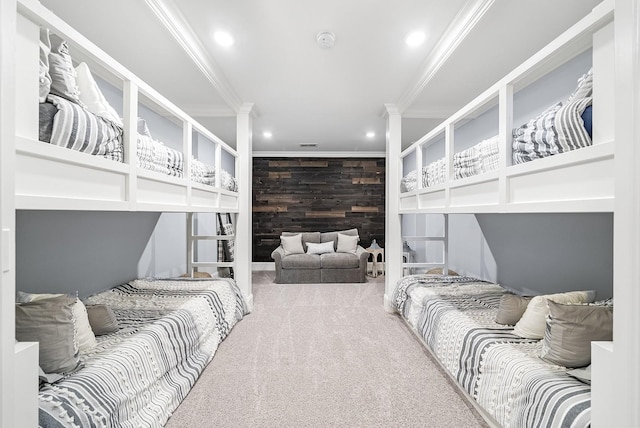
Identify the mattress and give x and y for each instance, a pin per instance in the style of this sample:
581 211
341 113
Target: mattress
501 371
137 376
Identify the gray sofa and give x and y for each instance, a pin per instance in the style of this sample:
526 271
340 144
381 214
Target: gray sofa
315 268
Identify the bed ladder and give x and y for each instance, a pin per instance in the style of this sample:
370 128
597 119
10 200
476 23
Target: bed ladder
224 267
408 254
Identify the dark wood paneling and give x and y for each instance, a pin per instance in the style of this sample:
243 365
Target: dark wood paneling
323 195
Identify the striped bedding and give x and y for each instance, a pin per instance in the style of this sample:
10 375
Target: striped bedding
136 377
501 371
155 156
77 129
482 157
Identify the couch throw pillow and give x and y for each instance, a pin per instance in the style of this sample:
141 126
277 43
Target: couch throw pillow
49 322
533 321
103 320
292 244
570 330
325 247
347 243
511 308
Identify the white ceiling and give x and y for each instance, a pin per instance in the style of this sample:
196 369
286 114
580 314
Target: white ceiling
305 94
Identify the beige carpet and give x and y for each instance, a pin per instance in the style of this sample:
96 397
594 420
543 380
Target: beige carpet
322 355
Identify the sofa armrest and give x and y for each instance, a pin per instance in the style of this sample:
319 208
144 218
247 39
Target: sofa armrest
278 254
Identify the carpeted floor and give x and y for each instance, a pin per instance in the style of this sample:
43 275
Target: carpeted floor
322 355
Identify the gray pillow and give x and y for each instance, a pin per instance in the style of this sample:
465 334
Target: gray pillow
570 331
511 308
49 322
307 237
61 70
102 319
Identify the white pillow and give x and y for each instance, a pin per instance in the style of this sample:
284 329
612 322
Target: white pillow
533 321
85 338
292 244
347 243
325 247
92 97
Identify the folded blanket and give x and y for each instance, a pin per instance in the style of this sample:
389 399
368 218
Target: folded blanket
76 128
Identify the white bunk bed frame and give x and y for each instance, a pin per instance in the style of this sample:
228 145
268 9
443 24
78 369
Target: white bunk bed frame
601 178
39 176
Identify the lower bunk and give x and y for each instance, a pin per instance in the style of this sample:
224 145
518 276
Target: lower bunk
517 380
160 335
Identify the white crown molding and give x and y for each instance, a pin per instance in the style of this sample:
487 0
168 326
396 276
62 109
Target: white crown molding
208 111
467 18
171 17
318 154
442 112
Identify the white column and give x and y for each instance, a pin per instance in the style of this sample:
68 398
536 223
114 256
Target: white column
615 371
244 174
7 211
393 229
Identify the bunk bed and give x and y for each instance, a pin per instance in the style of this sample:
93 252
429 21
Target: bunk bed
549 160
77 149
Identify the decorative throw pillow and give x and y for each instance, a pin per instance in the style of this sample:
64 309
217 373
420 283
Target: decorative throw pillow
570 331
102 319
85 338
92 97
347 244
532 323
325 247
44 79
511 308
49 322
584 88
292 244
63 75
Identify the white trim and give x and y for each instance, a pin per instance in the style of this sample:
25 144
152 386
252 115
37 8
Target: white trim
441 112
289 154
170 16
466 19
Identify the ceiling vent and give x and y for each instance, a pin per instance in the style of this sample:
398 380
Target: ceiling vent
308 145
326 39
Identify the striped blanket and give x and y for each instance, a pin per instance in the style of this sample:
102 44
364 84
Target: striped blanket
482 157
155 156
434 173
77 129
136 377
501 371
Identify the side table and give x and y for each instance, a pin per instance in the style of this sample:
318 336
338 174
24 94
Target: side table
374 266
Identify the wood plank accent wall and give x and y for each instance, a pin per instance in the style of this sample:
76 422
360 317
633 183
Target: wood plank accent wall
317 194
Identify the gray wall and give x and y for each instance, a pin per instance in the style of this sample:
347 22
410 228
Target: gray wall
546 253
67 251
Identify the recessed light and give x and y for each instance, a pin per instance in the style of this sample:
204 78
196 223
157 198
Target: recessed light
223 39
267 134
415 39
371 134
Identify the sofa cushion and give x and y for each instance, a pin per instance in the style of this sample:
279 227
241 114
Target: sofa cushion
301 261
292 244
339 261
325 247
333 236
347 243
306 237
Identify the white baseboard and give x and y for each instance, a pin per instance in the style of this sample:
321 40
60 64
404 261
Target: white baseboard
388 304
260 266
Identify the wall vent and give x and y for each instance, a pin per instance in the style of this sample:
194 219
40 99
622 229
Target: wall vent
308 145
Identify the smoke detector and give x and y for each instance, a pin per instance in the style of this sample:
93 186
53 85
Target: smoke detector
326 39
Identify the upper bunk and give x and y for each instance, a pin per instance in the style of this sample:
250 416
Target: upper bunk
526 144
97 137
